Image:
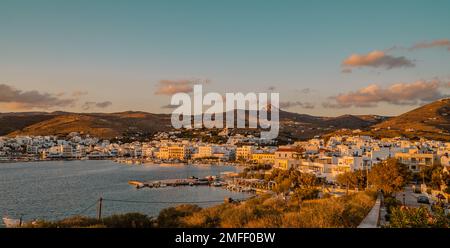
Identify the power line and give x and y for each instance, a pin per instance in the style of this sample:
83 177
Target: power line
82 211
99 210
166 202
86 209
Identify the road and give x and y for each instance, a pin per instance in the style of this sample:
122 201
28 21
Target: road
411 198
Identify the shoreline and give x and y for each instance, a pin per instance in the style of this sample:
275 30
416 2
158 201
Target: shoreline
146 163
137 196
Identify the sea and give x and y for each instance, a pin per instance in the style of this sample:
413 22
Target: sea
53 190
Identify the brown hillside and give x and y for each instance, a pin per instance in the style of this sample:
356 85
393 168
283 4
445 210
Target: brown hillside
98 125
433 117
429 121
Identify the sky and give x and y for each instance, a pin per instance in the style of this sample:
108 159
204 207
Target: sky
325 58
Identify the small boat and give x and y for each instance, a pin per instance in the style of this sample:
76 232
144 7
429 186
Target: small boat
137 184
11 223
216 184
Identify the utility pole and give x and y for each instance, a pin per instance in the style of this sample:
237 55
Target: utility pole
20 220
367 177
99 209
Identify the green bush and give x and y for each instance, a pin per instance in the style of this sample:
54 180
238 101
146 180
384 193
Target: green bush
404 217
391 202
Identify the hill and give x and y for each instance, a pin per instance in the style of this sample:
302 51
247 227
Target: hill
96 124
294 126
11 122
430 121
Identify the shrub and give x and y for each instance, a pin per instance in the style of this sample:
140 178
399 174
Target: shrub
391 202
72 222
171 217
404 217
346 211
130 220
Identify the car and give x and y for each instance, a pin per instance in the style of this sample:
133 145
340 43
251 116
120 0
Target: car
423 199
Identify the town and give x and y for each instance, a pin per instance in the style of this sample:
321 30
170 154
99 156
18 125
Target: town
319 168
324 158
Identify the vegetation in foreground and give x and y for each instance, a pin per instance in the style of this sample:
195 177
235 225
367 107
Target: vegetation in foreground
264 211
405 217
399 216
130 220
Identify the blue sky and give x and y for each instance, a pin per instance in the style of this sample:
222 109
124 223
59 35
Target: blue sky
119 51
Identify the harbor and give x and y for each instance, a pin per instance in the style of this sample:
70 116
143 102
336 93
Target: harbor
172 183
227 181
87 181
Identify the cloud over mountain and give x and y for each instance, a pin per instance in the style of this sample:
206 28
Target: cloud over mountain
375 59
90 105
399 94
79 93
170 106
432 44
170 87
291 104
16 99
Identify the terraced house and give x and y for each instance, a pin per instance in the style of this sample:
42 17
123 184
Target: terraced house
180 152
415 160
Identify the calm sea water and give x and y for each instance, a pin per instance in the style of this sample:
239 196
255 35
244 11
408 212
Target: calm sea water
54 190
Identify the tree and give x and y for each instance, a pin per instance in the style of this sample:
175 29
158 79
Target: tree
282 187
348 179
307 180
389 176
433 175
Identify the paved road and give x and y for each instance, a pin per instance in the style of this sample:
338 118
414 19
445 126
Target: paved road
411 198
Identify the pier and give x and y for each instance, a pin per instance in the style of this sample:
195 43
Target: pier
173 183
207 181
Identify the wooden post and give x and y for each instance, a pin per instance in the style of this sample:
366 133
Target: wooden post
367 177
99 210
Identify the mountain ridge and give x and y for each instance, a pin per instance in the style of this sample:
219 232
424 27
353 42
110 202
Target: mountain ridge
431 120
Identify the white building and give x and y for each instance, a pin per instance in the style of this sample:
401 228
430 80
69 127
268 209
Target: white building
286 158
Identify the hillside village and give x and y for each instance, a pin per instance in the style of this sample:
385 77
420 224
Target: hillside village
324 158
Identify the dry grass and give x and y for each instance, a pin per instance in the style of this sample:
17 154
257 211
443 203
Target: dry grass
267 212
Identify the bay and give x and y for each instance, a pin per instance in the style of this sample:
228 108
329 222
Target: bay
59 189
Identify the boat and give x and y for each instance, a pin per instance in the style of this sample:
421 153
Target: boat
217 184
11 223
137 184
